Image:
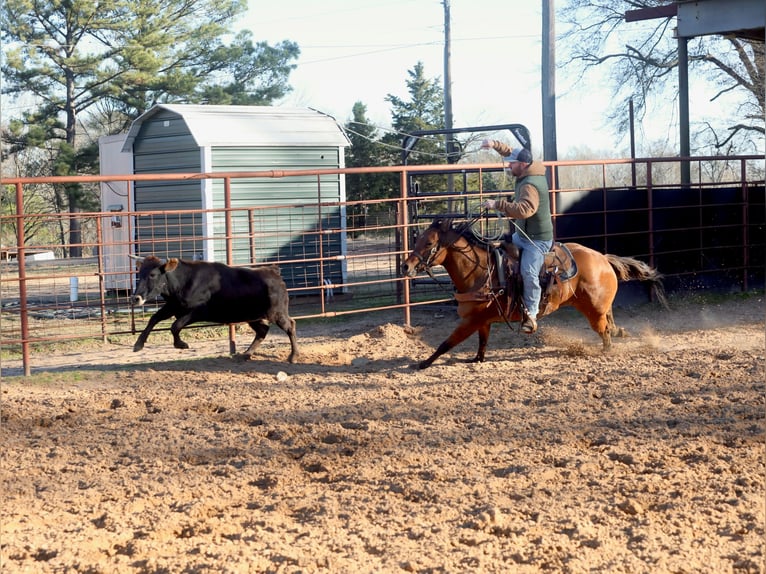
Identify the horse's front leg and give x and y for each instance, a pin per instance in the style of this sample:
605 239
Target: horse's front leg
464 330
483 340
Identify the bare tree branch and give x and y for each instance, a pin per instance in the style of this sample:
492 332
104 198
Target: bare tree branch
641 58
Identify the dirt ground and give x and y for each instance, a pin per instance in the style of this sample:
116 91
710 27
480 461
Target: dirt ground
550 456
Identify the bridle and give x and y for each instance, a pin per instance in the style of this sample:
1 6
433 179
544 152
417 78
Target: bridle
425 263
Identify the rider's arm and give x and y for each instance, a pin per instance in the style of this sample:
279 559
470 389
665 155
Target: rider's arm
500 147
523 206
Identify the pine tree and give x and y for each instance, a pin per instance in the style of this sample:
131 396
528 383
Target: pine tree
367 151
423 111
123 56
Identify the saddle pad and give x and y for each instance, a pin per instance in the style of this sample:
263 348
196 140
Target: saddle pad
560 262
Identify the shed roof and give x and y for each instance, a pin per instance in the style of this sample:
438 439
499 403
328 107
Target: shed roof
250 126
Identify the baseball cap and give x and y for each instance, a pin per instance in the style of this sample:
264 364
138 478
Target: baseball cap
521 155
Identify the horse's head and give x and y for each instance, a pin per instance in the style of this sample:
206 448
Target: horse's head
430 248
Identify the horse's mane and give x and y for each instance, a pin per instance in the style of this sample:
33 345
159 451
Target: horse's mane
465 230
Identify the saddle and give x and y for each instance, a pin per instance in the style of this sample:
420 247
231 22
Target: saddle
558 267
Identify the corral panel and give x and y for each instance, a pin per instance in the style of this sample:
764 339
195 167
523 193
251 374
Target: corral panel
278 220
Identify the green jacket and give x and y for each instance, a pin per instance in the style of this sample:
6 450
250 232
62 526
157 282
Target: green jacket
531 206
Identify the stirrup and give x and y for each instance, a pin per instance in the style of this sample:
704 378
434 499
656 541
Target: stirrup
529 325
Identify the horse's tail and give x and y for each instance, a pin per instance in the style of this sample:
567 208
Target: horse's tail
628 269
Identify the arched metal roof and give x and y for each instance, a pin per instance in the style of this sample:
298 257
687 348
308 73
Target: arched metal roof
250 125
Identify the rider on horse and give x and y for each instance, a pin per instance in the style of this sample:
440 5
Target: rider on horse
531 211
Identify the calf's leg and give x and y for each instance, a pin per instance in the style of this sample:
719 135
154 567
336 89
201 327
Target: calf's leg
175 329
261 329
287 324
164 312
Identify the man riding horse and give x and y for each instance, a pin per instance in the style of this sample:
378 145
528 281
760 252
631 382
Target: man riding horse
531 210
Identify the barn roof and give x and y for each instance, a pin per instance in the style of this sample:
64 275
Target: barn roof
250 126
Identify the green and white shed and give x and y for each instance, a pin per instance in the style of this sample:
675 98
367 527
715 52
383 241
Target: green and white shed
274 220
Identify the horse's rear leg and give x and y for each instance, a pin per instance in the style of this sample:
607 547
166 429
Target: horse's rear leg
606 328
464 330
600 323
614 330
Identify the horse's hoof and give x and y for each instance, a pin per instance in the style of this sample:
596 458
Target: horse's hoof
181 345
137 348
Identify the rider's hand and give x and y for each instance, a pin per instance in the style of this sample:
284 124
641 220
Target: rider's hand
486 144
489 204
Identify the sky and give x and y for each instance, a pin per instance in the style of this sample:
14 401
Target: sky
362 50
354 50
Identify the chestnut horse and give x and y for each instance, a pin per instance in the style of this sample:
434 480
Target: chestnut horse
483 297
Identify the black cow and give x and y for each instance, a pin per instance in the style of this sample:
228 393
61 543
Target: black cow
197 291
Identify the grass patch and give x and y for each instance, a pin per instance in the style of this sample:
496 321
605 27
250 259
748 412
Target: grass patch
49 378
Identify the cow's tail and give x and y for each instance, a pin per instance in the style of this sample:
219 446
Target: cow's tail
629 269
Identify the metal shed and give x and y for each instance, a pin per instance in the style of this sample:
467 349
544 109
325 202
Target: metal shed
213 139
115 197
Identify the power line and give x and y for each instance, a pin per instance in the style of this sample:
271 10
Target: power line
391 146
314 15
358 54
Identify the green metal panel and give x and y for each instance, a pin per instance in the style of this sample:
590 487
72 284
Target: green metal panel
165 145
275 220
256 158
278 220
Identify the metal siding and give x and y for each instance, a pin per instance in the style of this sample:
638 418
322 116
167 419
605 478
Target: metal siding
257 158
282 234
165 145
213 126
167 140
170 162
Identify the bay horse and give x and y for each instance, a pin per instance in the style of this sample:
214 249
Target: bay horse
483 297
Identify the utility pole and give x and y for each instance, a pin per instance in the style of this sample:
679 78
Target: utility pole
668 11
448 138
683 109
550 152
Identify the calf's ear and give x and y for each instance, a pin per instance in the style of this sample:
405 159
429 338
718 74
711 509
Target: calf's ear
171 264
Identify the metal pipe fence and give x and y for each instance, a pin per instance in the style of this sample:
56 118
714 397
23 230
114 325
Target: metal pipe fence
343 258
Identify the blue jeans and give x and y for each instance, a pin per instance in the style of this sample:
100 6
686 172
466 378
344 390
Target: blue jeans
532 258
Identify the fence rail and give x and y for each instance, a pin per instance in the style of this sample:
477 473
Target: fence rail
346 259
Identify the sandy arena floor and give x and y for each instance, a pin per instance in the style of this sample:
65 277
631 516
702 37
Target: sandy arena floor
550 456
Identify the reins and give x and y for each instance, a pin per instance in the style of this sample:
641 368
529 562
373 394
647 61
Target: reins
459 231
524 233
